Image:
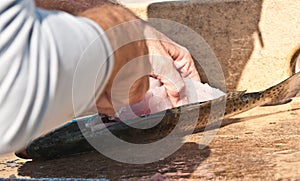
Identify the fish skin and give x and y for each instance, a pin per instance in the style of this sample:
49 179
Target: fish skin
65 140
280 93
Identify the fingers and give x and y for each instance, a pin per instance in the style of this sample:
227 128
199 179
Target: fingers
182 59
165 71
174 86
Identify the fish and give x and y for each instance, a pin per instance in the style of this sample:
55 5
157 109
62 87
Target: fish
73 137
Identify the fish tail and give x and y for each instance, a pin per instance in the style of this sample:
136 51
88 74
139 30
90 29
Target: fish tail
282 92
238 102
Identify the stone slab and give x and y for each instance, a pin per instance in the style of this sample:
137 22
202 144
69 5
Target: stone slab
253 40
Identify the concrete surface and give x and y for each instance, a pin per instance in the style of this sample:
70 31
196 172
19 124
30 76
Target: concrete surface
254 40
260 144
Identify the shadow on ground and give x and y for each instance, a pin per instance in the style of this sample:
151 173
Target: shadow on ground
230 121
181 164
248 118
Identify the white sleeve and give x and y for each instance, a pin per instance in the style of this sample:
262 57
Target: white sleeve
49 62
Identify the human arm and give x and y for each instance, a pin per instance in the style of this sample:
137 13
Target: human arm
45 94
39 53
169 61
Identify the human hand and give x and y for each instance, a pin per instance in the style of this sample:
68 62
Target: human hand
109 15
170 64
166 62
125 31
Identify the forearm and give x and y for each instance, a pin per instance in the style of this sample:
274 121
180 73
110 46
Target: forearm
71 6
37 69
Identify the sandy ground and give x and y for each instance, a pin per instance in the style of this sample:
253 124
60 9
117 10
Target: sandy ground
260 144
